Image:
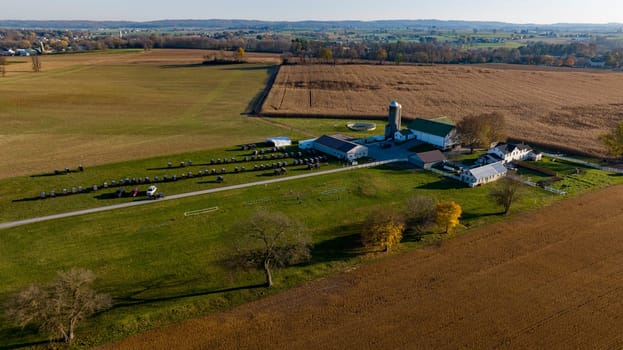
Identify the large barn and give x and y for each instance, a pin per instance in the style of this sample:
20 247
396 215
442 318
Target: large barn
440 132
340 147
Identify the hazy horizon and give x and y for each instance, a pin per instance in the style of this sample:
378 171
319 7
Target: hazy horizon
526 12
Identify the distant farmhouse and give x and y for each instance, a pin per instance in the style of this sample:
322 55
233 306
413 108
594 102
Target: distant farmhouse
507 152
440 132
483 174
338 146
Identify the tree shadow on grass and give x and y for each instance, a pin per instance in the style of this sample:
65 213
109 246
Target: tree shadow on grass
400 166
337 249
249 68
9 333
135 299
466 216
31 199
340 248
443 184
49 174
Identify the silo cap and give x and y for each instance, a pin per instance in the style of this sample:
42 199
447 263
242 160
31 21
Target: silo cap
395 104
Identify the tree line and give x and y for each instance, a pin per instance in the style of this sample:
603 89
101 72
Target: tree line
425 50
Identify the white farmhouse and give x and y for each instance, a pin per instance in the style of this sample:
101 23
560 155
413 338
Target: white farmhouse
440 132
340 147
507 152
484 174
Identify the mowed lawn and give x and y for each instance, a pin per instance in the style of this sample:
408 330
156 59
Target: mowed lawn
103 112
162 266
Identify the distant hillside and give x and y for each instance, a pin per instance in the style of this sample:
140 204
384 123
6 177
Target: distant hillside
227 24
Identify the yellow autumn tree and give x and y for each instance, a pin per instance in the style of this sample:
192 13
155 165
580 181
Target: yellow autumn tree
239 54
382 228
447 215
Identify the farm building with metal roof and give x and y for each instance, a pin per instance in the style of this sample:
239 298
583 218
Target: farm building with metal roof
440 132
340 148
484 174
428 159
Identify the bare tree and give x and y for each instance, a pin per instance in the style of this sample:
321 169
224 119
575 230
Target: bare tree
481 130
3 63
505 192
36 63
58 308
381 55
420 213
270 240
613 140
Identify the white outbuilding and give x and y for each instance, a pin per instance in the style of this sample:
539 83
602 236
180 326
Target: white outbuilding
279 141
340 148
484 174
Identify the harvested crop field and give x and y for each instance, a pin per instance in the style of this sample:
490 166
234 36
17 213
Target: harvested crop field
552 279
561 107
22 65
115 106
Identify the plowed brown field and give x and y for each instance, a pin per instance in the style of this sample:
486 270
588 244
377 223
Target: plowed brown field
552 279
559 106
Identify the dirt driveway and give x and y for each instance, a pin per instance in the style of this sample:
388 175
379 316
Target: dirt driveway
546 280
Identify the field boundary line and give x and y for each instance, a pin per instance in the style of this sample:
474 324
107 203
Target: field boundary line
581 162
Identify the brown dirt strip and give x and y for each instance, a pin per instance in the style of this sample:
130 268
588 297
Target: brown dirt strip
551 279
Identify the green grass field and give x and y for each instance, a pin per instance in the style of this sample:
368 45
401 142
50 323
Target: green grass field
20 196
162 267
105 113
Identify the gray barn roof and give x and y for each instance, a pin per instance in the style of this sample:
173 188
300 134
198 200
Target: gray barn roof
336 143
488 170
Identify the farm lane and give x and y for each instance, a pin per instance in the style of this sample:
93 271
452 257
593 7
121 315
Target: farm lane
189 194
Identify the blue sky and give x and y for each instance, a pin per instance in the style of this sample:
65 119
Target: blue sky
523 11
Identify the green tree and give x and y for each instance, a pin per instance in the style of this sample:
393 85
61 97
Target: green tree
505 192
270 240
382 228
447 215
58 308
613 140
